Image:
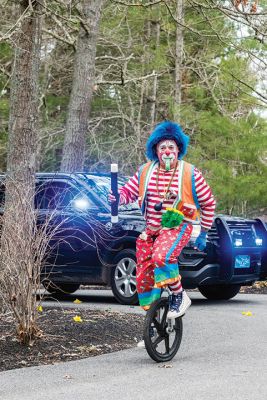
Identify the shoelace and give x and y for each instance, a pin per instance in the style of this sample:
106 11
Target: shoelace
176 301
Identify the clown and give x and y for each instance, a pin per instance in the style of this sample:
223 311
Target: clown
172 194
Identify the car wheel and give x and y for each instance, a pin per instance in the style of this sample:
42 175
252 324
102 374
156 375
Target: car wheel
219 292
60 289
123 277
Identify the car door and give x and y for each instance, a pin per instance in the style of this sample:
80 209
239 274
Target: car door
67 212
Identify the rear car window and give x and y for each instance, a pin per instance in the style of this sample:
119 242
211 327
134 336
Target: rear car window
53 195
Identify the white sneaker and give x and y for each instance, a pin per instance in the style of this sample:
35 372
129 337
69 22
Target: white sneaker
179 304
141 344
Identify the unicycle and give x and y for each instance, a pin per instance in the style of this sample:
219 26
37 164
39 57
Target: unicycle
162 336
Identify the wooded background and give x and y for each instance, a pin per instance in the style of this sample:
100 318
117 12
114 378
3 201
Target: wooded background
108 71
83 83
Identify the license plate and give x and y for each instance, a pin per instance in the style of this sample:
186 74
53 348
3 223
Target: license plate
242 261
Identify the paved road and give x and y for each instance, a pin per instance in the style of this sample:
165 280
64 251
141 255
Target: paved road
223 356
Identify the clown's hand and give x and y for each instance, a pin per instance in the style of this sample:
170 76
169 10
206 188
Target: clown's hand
111 198
201 241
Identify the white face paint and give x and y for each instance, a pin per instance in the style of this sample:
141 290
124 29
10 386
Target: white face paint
167 152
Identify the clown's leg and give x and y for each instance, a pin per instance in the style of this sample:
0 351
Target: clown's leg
145 276
176 287
167 248
145 273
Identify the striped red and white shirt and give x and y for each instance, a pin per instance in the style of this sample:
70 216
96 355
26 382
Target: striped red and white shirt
130 192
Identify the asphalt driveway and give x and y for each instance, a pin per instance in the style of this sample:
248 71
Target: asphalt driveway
223 356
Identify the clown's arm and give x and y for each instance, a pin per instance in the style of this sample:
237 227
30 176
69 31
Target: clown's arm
207 205
206 200
128 192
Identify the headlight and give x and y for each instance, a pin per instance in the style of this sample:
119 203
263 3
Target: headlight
238 242
81 204
258 241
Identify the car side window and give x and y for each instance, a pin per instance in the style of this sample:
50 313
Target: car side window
53 195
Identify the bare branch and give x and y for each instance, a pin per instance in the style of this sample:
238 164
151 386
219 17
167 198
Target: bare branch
137 79
139 4
58 37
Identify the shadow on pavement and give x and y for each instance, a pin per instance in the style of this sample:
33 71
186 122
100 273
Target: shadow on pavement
69 298
109 299
206 302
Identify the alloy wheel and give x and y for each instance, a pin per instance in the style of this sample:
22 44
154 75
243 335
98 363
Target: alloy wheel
125 277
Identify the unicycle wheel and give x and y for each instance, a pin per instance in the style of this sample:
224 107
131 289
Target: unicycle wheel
162 337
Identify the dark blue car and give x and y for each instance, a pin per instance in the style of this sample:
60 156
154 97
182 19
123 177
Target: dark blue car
87 249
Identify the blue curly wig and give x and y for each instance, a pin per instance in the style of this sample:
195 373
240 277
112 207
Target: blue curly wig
166 130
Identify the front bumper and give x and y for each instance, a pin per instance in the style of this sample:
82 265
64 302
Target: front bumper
209 275
220 263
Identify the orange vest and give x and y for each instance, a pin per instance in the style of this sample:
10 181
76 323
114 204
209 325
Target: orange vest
186 200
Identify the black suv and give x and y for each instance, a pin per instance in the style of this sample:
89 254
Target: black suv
90 250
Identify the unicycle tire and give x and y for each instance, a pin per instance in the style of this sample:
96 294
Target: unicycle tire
162 341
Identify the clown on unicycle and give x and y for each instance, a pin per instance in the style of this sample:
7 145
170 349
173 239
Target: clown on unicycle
172 195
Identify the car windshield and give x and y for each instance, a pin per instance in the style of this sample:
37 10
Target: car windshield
101 187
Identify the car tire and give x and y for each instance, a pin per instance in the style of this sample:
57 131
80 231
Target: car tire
60 289
219 292
123 277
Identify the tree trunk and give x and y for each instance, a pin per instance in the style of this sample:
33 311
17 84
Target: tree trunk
179 44
23 119
82 88
18 221
155 84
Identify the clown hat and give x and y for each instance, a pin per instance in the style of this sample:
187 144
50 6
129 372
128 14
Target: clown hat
166 130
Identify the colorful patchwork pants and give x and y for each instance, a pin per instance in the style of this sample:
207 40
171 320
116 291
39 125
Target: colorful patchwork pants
157 261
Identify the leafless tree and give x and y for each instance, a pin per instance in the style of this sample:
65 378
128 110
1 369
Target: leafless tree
21 264
19 221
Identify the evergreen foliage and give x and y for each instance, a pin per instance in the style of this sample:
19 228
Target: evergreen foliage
223 116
